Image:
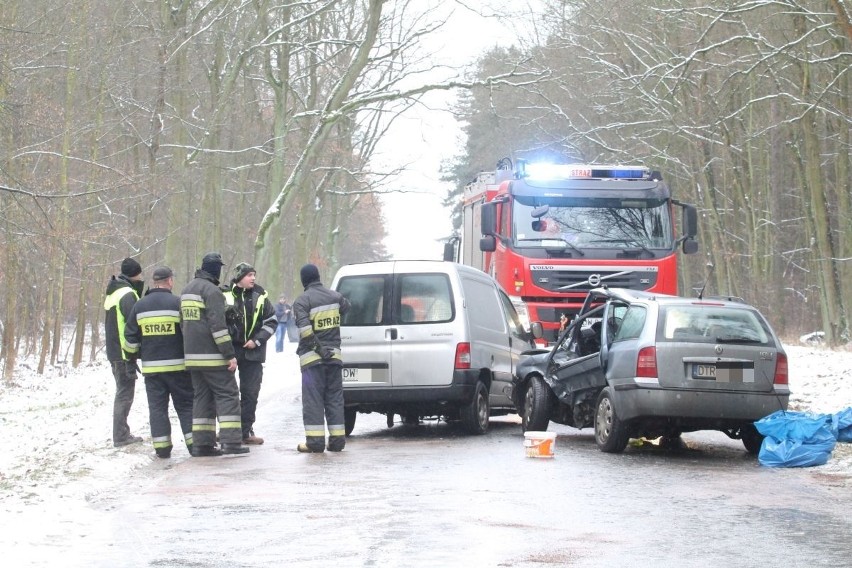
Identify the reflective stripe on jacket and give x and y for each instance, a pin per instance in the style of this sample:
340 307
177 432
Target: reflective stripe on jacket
153 332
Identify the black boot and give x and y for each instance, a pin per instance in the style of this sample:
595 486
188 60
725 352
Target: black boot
205 451
234 449
164 453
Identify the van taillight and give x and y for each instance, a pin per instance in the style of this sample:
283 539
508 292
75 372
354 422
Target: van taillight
780 369
646 363
463 356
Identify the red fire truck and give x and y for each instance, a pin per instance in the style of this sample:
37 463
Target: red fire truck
549 233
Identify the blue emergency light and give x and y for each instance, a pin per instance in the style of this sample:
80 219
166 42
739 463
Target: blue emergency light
544 171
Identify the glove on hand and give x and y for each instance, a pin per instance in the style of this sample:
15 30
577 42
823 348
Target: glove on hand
326 353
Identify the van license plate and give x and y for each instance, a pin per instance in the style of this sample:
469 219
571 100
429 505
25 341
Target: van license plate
357 375
704 372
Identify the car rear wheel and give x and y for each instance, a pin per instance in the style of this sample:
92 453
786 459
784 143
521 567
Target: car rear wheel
535 416
610 432
349 415
752 439
475 415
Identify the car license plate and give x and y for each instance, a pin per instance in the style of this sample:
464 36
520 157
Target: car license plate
357 375
724 372
701 371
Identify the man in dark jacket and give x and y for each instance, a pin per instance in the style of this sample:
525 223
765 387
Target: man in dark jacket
210 359
283 310
121 295
153 334
251 322
317 312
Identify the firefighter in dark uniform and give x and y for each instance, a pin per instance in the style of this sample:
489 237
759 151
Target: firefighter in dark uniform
251 322
317 312
210 359
121 294
153 334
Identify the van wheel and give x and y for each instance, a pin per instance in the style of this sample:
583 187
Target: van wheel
475 415
538 398
610 432
349 415
752 439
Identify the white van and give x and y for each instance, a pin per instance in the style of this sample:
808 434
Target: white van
428 338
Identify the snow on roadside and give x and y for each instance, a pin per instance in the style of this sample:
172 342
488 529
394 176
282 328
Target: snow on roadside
58 426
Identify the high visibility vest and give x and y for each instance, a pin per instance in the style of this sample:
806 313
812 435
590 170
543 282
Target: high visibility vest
230 300
111 302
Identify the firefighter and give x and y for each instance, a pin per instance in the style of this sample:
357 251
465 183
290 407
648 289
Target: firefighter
153 334
210 359
317 312
251 322
121 295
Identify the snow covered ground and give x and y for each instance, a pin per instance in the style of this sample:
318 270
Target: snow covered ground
58 450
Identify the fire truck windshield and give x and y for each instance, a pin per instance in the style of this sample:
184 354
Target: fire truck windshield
592 223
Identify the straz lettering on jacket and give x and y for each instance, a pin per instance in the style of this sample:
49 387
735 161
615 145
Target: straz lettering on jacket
190 313
327 319
162 328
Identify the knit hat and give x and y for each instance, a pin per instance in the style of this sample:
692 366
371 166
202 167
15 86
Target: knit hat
130 267
309 274
162 273
241 270
212 264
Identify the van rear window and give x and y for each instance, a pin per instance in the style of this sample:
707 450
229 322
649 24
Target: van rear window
424 298
366 296
418 298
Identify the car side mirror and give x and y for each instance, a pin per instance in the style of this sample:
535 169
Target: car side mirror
536 330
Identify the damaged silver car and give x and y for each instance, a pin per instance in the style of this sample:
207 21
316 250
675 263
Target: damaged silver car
635 364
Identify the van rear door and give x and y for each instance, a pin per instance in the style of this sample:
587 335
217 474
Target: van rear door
365 332
429 324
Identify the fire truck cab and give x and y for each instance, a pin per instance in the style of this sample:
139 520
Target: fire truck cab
550 233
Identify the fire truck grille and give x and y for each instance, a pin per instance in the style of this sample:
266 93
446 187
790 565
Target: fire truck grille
584 280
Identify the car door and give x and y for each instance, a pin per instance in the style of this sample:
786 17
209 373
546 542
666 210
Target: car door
572 370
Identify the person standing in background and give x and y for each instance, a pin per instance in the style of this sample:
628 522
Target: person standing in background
153 334
210 359
283 311
251 322
317 312
121 295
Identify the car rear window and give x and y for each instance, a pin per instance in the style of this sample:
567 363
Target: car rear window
702 323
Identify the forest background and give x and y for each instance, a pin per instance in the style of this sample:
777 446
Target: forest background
163 129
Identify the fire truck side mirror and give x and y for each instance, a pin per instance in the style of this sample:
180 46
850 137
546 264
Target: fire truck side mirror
690 221
488 244
450 252
489 219
690 246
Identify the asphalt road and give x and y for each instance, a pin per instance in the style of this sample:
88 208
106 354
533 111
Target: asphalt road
429 495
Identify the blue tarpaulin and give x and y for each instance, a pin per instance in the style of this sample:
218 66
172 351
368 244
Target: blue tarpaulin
797 439
843 425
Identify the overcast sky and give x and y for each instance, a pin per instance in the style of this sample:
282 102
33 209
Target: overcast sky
424 138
